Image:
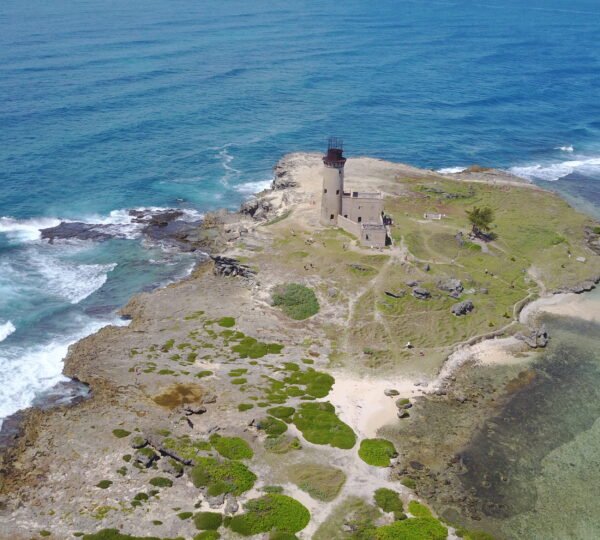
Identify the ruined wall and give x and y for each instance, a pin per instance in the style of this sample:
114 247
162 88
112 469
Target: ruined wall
362 210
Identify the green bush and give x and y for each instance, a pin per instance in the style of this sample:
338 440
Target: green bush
115 534
297 301
231 447
388 500
320 425
245 407
413 529
186 447
419 510
283 413
160 481
282 535
282 444
473 535
121 433
271 426
377 452
208 520
222 477
271 512
185 515
249 347
409 483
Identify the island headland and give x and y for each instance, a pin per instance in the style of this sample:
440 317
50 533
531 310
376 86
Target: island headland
301 384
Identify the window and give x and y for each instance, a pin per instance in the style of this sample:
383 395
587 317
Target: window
337 191
331 216
325 190
359 219
367 236
346 216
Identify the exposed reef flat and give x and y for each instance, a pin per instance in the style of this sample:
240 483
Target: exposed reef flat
233 393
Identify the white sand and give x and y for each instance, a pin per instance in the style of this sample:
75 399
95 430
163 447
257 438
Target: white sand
582 306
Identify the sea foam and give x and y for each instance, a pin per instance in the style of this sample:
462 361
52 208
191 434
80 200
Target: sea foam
6 329
555 171
25 230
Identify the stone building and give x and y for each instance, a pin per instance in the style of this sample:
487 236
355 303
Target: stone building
359 213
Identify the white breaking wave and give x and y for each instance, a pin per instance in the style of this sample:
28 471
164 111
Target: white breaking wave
24 373
230 171
6 329
556 171
25 230
451 170
73 282
249 188
568 148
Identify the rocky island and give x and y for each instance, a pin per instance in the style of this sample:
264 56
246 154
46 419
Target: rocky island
301 385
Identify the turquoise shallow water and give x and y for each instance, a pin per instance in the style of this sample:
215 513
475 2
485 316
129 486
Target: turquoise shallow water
109 105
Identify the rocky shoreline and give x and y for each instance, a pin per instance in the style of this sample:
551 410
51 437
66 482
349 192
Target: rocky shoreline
126 391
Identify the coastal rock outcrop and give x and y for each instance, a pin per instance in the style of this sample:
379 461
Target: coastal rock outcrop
226 266
421 294
538 338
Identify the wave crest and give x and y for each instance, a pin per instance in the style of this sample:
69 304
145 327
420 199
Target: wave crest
6 329
555 171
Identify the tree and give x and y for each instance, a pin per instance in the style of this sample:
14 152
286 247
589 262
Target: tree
481 219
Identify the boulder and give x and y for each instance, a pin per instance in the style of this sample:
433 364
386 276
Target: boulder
171 466
217 501
462 308
421 294
394 295
403 413
145 457
537 338
391 392
451 285
228 267
231 504
138 441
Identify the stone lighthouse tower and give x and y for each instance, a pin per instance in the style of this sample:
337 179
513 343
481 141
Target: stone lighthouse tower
333 182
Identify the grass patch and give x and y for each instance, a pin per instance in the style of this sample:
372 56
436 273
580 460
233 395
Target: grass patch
377 452
271 512
320 425
388 500
248 347
271 426
121 433
319 481
413 529
168 345
203 373
282 444
115 534
419 510
409 483
226 322
104 484
161 481
317 383
222 477
185 515
207 535
179 394
245 407
186 447
297 301
283 413
240 380
208 520
231 447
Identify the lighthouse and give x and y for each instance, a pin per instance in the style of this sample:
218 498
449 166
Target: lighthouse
333 182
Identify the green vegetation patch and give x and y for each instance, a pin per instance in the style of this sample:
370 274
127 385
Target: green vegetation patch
245 407
208 520
271 512
318 384
115 534
389 500
271 426
121 433
231 447
249 347
283 413
104 484
419 510
377 452
185 515
319 481
186 447
413 529
320 425
222 477
473 535
161 481
226 322
282 444
207 535
297 301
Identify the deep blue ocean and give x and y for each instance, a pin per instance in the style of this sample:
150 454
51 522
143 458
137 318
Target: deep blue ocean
111 105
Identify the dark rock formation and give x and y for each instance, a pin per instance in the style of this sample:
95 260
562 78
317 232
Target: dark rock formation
421 293
538 338
282 179
451 285
462 308
225 266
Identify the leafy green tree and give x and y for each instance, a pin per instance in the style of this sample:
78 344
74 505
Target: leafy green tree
480 219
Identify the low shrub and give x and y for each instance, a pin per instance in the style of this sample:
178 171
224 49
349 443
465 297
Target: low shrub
222 477
283 413
231 447
104 484
409 483
413 529
388 500
271 426
185 515
319 481
320 425
297 301
115 534
271 512
121 433
207 535
249 347
226 322
160 481
377 452
208 520
318 384
419 510
245 407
